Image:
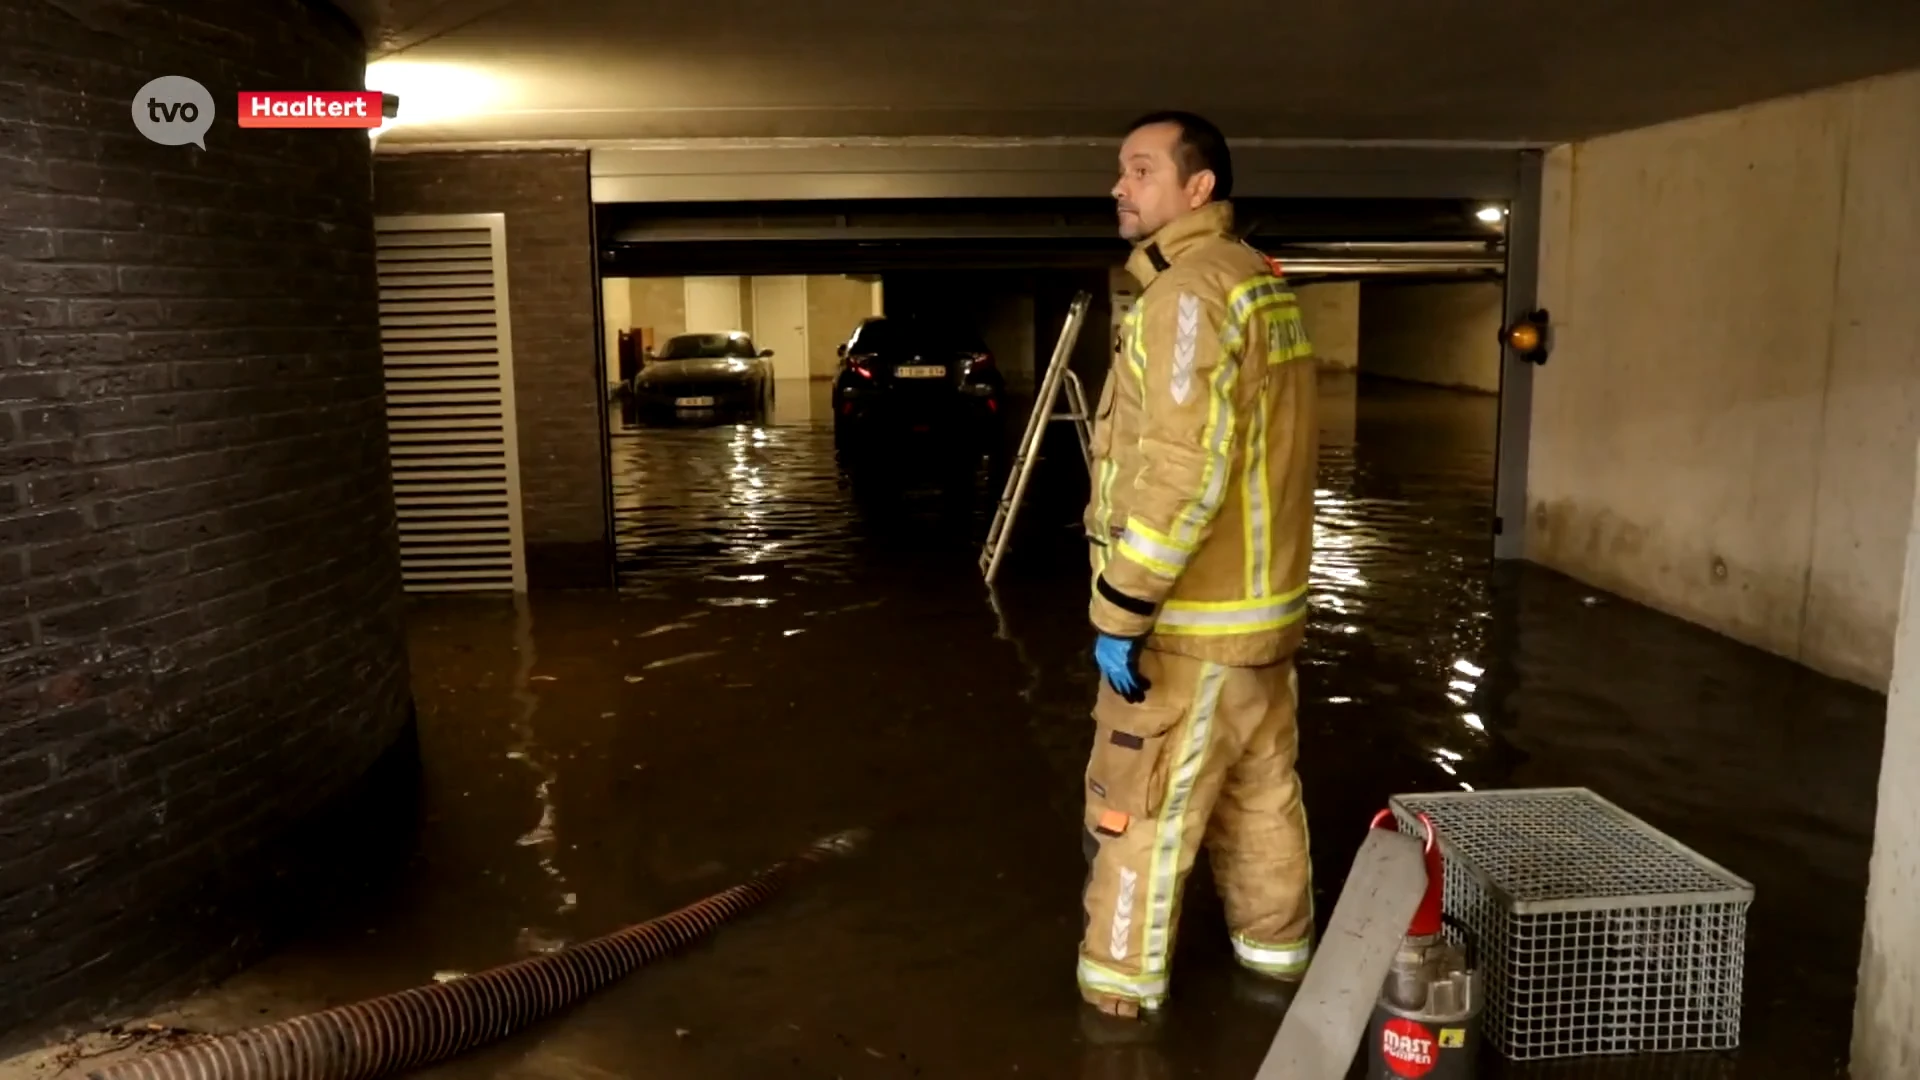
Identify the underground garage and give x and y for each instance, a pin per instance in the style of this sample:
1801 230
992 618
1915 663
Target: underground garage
987 284
432 556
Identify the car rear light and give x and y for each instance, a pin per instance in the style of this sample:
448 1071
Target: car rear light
859 362
980 360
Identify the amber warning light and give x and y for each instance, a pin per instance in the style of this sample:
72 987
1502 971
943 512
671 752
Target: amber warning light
1528 337
310 109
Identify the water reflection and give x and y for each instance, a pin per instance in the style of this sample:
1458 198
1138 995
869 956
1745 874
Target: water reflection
729 502
789 660
862 668
767 503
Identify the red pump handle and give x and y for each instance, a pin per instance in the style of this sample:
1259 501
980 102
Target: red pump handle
1425 822
1429 917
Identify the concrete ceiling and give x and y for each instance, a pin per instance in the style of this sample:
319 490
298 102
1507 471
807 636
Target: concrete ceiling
1499 71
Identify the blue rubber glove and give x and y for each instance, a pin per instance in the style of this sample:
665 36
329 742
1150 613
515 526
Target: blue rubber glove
1119 660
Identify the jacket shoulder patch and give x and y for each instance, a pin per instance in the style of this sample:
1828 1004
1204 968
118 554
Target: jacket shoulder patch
1185 344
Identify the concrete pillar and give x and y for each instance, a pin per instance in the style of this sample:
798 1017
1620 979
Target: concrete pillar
1886 1035
200 635
1332 314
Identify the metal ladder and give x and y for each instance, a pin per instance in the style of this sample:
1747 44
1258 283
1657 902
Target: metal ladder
1058 375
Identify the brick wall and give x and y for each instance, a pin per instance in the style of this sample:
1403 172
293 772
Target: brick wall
200 625
559 392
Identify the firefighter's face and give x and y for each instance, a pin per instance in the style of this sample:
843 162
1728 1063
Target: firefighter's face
1151 192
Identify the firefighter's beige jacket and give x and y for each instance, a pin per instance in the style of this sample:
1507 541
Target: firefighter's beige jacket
1205 444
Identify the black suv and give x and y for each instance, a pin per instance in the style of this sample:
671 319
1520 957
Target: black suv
917 391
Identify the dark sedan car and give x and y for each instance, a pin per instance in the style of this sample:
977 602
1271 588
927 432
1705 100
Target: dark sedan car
706 373
917 393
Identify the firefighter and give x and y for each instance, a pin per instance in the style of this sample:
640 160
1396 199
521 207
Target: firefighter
1200 530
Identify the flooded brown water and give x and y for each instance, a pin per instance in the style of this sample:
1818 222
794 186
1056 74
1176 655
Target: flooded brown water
788 658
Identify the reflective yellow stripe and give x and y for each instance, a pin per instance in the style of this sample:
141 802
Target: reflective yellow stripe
1215 617
1267 297
1262 297
1103 506
1254 501
1256 298
1136 348
1153 550
1217 437
1149 990
1287 336
1149 563
1108 469
1287 958
1258 293
1164 873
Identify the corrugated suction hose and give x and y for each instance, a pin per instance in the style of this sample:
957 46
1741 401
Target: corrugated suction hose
418 1027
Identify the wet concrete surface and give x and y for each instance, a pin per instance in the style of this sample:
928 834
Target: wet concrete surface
788 657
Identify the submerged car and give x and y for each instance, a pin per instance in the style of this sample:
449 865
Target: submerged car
917 392
704 373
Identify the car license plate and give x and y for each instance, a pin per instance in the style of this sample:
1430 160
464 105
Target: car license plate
921 371
694 402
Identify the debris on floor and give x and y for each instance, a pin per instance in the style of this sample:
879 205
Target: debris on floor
113 1041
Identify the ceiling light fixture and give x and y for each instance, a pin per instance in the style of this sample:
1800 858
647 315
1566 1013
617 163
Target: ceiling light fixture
432 91
1491 214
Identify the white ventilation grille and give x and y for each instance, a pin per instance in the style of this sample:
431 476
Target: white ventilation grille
447 342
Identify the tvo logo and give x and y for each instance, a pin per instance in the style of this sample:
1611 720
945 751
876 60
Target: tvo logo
173 110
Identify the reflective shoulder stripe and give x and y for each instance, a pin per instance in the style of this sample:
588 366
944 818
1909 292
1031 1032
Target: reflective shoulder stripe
1256 297
1261 290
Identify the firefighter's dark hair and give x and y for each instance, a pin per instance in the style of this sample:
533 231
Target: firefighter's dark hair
1201 147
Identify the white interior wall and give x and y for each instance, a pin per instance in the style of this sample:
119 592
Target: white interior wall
1725 427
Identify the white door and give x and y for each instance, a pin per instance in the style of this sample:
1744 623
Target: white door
780 323
713 305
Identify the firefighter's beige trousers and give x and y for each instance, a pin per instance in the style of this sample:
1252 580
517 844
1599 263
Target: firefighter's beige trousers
1208 757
